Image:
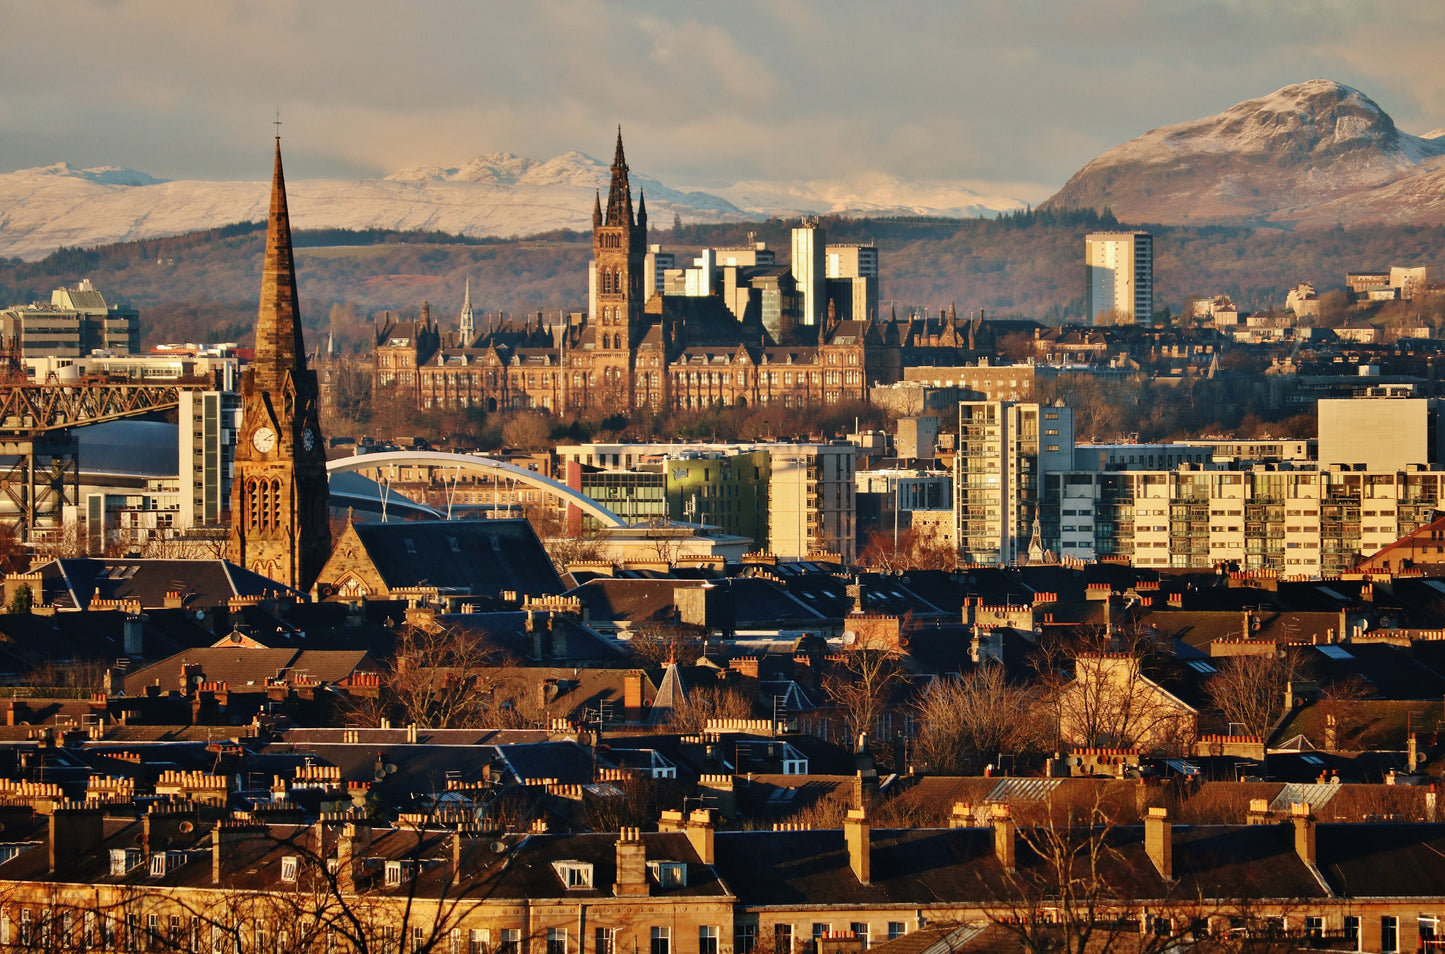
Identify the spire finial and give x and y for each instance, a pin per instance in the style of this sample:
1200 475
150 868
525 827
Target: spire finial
277 123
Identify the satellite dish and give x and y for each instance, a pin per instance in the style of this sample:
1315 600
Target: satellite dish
186 827
498 847
849 637
200 614
390 768
379 775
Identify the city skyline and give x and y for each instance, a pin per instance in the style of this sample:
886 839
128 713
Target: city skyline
1005 99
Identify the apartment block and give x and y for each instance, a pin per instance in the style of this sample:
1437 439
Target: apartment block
1004 449
1119 277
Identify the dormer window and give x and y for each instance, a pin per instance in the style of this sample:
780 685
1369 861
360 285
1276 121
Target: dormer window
394 873
289 866
669 874
795 766
123 859
574 874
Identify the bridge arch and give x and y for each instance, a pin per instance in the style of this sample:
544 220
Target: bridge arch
482 465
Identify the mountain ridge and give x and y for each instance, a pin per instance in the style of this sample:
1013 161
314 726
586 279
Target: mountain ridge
1309 154
493 195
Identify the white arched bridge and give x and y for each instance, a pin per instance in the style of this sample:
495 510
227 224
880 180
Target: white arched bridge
472 463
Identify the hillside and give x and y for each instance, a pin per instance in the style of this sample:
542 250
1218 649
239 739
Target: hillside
1315 154
204 286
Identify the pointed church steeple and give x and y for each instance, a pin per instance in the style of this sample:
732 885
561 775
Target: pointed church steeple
596 208
279 347
466 322
619 194
279 520
642 212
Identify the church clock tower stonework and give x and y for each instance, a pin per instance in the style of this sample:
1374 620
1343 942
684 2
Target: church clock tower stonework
279 517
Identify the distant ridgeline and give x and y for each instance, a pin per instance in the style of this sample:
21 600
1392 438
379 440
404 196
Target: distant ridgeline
1025 264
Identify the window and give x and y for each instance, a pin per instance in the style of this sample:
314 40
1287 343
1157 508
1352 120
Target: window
707 939
604 940
1389 934
510 939
670 874
259 934
556 941
574 874
393 873
897 929
478 940
782 938
289 864
1314 925
860 931
821 929
418 938
747 938
661 941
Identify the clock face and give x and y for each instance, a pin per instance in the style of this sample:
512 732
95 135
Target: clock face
308 439
264 440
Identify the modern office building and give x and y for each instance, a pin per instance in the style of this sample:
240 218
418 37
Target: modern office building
76 322
810 273
792 499
1119 277
852 272
1004 449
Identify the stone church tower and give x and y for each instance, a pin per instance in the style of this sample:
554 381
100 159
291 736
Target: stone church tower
279 516
619 245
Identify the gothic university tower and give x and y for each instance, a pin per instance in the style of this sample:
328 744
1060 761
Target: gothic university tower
619 245
279 525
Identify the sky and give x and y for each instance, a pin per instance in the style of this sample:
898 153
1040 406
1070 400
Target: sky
1011 97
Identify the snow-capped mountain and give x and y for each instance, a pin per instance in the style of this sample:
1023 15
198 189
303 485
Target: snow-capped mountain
1315 153
497 194
869 194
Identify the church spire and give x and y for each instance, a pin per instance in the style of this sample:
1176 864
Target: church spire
642 213
619 194
466 322
279 347
596 208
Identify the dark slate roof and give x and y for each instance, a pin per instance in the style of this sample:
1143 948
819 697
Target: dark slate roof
244 669
71 583
484 557
507 633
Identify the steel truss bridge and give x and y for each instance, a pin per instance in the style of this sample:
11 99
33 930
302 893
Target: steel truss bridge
39 456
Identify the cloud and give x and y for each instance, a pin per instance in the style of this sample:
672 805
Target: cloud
990 90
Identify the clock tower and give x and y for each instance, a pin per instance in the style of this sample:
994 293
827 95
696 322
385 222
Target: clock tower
279 518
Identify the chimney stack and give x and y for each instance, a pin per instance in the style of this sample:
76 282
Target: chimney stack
700 833
1304 832
1159 842
1004 837
858 835
631 865
1259 813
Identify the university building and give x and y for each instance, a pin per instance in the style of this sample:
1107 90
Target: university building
733 329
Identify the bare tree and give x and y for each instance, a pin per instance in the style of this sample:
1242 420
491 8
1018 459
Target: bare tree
1249 690
965 723
1111 703
705 704
657 644
860 682
441 679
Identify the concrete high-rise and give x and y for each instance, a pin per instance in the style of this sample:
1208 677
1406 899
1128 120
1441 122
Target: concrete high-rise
1004 449
1119 277
810 272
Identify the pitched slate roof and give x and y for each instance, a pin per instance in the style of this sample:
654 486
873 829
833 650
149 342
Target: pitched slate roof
482 557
